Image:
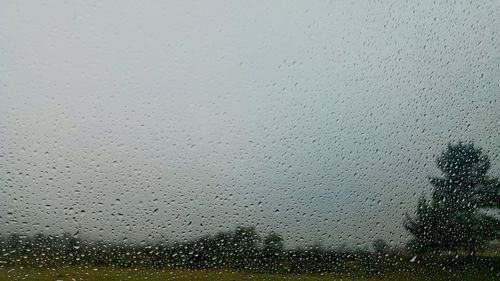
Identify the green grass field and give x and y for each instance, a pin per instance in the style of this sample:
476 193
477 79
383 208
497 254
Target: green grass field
119 274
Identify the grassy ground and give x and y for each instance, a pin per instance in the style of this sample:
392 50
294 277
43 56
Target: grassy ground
119 274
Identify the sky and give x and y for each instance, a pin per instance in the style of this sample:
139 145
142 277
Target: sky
319 120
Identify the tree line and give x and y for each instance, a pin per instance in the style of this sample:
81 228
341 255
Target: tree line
242 248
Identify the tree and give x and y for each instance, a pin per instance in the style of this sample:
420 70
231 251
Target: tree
245 245
380 246
272 252
273 244
453 218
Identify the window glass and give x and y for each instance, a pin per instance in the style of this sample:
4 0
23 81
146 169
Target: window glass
260 140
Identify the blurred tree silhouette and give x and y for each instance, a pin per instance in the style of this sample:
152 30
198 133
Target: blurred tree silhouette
380 246
454 216
272 251
245 245
273 244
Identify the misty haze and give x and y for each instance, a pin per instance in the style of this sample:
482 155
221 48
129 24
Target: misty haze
321 123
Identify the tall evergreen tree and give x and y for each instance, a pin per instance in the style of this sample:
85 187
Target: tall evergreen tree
453 218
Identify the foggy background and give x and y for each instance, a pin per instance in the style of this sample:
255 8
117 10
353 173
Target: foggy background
318 120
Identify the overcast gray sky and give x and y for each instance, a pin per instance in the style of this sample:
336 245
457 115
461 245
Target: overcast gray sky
320 120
